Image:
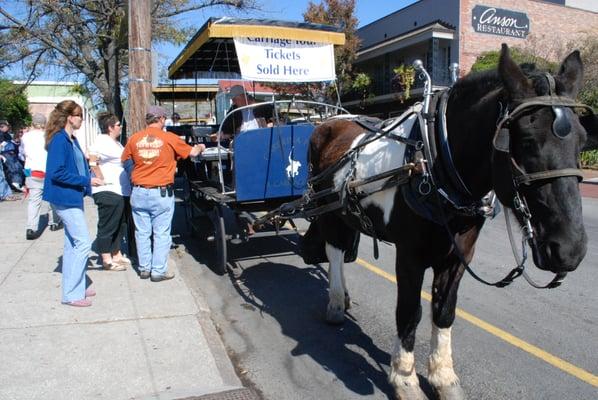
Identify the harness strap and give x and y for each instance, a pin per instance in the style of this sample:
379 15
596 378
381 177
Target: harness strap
527 179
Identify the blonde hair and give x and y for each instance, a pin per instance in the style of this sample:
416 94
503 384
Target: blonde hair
58 118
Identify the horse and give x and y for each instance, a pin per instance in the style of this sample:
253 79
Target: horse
537 144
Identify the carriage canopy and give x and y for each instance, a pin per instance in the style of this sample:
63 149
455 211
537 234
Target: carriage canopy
259 50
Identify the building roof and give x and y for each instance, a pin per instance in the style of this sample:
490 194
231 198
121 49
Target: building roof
436 28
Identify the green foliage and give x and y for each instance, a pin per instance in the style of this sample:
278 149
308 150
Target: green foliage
14 106
362 84
489 60
405 77
589 159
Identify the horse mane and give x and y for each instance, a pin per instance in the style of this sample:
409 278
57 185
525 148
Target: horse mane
476 85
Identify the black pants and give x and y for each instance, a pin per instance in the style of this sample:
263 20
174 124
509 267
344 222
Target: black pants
111 221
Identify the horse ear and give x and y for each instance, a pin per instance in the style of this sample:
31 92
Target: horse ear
571 73
512 76
590 123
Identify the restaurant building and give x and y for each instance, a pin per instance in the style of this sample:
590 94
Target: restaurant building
443 32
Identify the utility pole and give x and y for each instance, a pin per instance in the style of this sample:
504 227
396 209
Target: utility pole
140 63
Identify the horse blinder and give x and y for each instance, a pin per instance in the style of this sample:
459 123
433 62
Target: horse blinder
561 126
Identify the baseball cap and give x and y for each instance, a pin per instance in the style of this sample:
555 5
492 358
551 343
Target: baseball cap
236 91
38 119
4 122
156 111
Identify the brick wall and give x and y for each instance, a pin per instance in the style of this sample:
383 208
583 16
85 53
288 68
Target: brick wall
552 27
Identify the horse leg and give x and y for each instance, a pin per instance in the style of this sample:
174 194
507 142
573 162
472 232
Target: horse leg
447 277
403 377
335 313
339 239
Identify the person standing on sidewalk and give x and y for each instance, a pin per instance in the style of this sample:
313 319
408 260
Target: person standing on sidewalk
104 160
9 150
66 183
33 146
154 154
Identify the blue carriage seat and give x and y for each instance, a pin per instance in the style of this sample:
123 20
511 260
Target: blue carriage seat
271 162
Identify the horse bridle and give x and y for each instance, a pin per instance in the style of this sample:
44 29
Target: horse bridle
507 186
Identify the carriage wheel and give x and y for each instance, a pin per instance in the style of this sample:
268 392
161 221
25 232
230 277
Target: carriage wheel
220 239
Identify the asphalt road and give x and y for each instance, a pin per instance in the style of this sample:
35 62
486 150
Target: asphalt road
511 343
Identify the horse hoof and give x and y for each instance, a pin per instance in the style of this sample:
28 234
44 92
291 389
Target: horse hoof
452 392
405 392
335 316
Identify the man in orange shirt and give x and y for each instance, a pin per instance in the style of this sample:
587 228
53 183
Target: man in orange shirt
154 153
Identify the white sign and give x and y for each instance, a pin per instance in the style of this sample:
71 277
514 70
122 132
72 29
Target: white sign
285 60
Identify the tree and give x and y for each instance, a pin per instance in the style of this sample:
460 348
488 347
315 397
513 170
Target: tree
14 106
88 37
338 13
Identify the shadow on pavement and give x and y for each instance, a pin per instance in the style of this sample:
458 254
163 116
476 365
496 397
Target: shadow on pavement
297 299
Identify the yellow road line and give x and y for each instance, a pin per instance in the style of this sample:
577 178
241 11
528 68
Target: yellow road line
557 362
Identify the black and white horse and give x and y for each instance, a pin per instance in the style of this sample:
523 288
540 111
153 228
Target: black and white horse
542 146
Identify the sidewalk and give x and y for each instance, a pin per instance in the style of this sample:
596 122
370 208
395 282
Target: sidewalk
139 340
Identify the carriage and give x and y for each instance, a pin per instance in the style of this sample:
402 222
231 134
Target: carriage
266 166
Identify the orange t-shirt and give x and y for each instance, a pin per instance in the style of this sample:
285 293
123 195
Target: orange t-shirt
154 153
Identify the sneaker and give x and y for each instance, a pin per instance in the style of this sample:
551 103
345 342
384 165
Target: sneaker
158 278
144 274
56 227
32 235
78 303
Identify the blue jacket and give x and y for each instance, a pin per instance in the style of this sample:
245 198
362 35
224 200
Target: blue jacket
63 185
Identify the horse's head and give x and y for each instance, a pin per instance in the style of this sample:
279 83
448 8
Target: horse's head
543 142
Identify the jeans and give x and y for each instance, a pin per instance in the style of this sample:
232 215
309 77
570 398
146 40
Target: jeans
36 189
14 170
5 189
152 214
77 246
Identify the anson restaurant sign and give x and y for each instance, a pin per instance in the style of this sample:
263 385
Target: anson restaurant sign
497 21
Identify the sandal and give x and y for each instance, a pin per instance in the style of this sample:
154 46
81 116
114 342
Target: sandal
114 267
122 260
78 303
12 197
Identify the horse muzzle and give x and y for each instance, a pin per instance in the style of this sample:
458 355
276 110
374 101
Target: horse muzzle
559 257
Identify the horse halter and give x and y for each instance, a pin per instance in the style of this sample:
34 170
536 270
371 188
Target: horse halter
507 186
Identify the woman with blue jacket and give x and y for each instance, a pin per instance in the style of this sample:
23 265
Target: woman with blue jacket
66 183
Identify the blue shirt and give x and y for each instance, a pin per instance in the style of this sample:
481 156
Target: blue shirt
67 181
